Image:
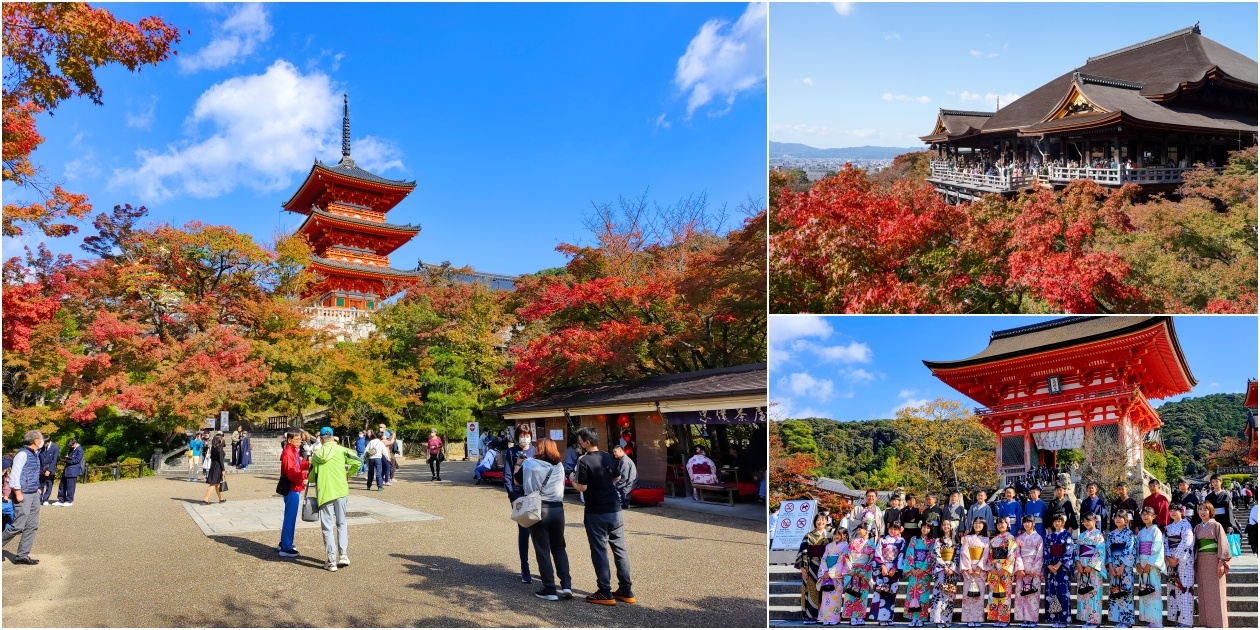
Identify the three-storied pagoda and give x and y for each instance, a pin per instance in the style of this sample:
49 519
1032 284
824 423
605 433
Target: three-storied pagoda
1141 114
1049 386
345 209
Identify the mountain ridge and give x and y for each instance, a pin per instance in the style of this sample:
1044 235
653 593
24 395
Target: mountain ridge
797 150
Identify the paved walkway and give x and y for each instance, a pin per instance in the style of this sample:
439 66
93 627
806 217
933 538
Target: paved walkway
130 553
260 515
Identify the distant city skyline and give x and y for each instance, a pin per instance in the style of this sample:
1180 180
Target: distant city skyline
854 74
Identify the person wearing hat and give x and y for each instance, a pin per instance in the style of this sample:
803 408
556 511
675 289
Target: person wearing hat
1091 550
1157 502
331 468
1060 560
1179 558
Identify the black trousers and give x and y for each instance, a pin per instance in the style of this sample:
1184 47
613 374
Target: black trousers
46 487
548 537
522 535
435 465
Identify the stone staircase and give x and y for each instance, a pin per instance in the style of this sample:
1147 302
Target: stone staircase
1241 516
266 445
785 597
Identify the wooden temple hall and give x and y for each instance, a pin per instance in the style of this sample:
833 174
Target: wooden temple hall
1072 383
1141 114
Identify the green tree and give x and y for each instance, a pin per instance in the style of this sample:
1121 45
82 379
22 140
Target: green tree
797 437
1173 470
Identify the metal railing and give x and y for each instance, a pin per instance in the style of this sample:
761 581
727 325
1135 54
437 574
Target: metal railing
115 471
1055 400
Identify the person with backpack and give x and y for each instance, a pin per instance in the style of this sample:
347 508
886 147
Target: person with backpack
435 455
387 459
375 451
293 471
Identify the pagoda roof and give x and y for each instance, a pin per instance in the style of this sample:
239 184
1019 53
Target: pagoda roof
319 213
361 269
1137 80
347 168
347 173
1249 399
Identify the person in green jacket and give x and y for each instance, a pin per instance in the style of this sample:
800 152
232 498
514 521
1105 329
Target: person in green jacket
332 465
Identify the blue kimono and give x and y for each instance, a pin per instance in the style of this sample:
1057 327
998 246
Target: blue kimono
1097 507
1060 548
1012 511
1038 511
246 455
1121 556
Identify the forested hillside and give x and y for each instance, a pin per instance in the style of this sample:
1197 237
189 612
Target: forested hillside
1195 428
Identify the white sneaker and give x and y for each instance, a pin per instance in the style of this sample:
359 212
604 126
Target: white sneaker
344 561
65 504
331 567
46 503
54 503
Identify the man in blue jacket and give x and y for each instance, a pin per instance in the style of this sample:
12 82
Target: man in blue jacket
1010 509
48 457
70 475
25 481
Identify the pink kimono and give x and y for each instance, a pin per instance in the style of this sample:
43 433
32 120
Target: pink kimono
1029 558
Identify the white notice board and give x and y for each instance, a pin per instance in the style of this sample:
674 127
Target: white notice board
796 518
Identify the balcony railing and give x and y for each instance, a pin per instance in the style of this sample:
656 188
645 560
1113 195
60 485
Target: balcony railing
1055 400
1004 180
324 312
1000 181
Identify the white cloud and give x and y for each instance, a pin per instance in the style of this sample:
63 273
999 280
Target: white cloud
724 60
144 118
802 384
784 328
237 37
858 375
906 393
889 96
913 402
661 122
1214 385
843 8
264 130
807 81
988 98
854 352
975 53
893 35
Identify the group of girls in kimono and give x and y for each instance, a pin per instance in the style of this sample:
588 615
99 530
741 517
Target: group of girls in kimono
1016 573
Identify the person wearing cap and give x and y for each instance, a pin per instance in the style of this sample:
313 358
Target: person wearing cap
1059 561
1158 503
293 469
24 477
702 471
1121 557
888 553
1150 569
1091 550
1179 558
1060 503
331 468
1029 558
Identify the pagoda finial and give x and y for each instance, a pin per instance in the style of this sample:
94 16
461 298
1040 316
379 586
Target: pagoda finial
345 126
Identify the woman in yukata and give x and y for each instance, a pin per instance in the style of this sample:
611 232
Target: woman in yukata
808 560
1092 549
1211 565
973 563
1028 569
1002 552
1179 558
917 563
1059 561
831 577
945 576
1150 570
1121 556
861 563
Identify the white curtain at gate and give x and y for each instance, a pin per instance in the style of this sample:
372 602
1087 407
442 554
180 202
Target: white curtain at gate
1060 439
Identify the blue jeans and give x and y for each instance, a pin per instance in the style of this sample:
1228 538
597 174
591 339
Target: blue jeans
478 470
374 472
602 532
289 526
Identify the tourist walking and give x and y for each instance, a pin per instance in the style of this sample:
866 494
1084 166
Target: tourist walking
1179 559
330 470
831 577
1091 548
522 449
973 565
387 456
945 575
24 479
1002 550
215 476
1060 560
1150 569
1029 567
628 473
1211 565
596 475
293 471
861 564
194 456
1121 558
435 455
49 455
375 453
544 474
70 474
917 564
809 559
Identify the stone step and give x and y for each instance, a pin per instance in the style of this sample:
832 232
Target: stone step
792 613
1240 605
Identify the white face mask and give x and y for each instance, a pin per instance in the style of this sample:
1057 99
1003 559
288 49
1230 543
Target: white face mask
525 442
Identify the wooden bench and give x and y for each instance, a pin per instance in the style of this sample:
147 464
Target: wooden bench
728 488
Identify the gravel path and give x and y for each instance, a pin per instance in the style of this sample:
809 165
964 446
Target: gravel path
128 554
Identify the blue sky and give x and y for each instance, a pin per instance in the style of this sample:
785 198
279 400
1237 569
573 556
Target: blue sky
512 119
852 73
866 367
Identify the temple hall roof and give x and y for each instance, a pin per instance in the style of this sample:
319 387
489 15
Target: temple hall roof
1053 334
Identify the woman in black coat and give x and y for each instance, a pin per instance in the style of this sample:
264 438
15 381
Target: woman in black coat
216 470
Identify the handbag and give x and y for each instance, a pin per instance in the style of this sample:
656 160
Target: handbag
1235 545
284 486
223 487
310 511
527 510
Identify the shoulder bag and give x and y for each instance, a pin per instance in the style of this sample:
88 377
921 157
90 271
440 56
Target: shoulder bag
527 510
223 485
310 511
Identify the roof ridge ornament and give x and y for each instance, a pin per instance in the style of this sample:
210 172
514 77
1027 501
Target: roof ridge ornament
1081 77
1191 30
962 112
345 130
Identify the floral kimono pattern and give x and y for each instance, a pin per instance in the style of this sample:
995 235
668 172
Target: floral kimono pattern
1029 557
945 558
1121 556
1179 546
1150 554
887 574
810 558
918 557
1060 550
1002 552
861 563
1092 561
974 557
831 573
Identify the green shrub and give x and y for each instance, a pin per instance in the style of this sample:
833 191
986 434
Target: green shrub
1157 465
95 455
131 465
1243 479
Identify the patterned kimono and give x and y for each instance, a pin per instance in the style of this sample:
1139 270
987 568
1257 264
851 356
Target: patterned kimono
832 572
918 557
1029 557
1092 551
974 556
887 561
810 557
1061 550
1150 553
1002 552
1180 546
861 563
1121 555
945 555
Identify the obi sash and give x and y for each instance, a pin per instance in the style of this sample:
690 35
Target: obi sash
1037 519
1174 542
920 555
1088 552
947 554
1144 547
1000 553
815 551
975 553
1206 545
831 561
1219 510
1118 548
1057 549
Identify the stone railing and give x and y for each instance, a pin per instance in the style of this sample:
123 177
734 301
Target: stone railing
1001 180
325 312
